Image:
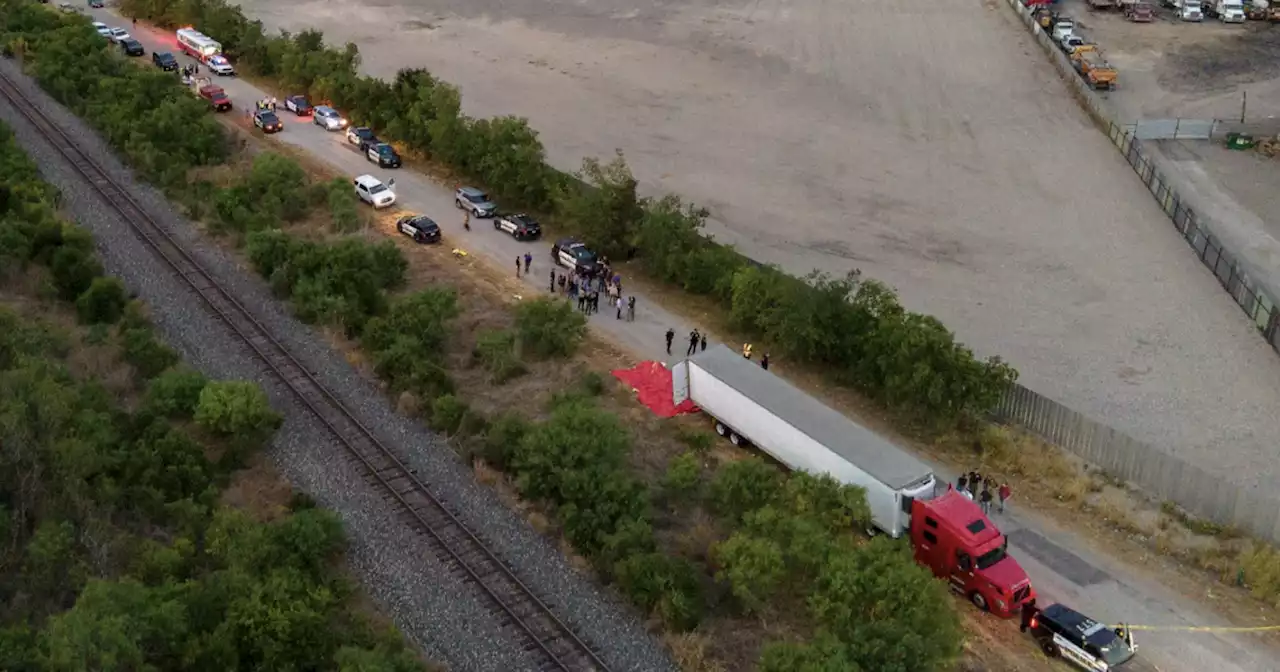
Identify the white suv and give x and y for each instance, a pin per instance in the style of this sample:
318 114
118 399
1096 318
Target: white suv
371 190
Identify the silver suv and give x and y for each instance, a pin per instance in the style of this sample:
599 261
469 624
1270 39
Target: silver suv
474 201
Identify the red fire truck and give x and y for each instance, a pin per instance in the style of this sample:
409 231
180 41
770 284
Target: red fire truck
952 537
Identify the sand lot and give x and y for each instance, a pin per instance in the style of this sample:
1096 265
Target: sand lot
930 145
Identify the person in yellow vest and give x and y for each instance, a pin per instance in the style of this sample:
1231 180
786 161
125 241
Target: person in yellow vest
746 350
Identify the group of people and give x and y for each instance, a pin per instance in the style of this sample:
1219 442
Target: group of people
268 103
983 490
587 288
696 338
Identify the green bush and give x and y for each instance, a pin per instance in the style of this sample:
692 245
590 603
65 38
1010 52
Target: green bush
343 206
236 409
272 192
407 344
448 413
176 392
146 353
503 437
103 302
684 475
744 486
495 351
74 270
667 586
549 327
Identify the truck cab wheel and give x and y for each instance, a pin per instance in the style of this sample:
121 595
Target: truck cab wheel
721 429
978 600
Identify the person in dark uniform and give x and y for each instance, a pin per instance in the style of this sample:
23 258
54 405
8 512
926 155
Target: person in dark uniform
1029 611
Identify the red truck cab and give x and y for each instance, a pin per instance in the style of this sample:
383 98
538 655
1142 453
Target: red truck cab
953 538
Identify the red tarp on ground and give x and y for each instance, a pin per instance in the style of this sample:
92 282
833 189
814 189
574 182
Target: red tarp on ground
652 383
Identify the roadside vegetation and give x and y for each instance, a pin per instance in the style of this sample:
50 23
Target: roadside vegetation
761 567
120 551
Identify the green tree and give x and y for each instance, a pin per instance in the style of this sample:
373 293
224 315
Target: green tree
753 567
236 408
116 626
103 302
176 392
549 327
892 614
684 475
743 486
74 271
605 210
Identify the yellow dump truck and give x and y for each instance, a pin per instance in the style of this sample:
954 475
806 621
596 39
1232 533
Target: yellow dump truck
1095 69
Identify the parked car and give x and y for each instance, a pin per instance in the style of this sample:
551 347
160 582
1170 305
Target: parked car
220 65
328 118
573 254
118 35
382 154
267 121
217 98
420 228
298 105
164 60
521 226
371 190
474 201
362 136
102 28
132 47
97 4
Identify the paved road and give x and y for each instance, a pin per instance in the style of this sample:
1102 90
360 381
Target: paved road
1107 588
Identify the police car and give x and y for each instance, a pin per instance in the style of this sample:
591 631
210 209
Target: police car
1078 639
521 227
574 255
420 228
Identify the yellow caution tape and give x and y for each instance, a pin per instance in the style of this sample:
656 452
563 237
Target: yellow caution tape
1206 628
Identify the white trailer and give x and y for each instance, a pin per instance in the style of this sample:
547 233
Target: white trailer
752 406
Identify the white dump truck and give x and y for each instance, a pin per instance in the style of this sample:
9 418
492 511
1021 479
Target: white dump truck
751 406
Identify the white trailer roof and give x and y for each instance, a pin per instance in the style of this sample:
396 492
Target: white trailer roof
860 446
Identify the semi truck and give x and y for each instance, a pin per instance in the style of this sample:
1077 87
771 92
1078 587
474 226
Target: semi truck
752 407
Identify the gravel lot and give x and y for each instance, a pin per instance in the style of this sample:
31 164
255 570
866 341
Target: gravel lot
933 146
439 614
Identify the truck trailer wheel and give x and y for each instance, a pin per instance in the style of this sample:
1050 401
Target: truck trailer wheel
978 600
721 429
736 440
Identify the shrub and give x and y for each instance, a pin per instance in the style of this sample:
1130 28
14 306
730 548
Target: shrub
103 302
684 475
148 356
744 486
593 383
496 352
503 436
273 191
236 409
175 392
74 270
407 343
447 413
549 327
664 585
343 206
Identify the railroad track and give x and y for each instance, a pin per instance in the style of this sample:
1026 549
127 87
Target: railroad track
551 643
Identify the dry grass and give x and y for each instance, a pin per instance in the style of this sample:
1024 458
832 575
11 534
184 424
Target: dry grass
690 650
259 490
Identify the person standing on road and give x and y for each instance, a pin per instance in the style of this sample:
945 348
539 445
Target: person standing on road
528 261
671 336
693 343
764 362
582 304
1005 494
1029 611
517 267
962 483
135 23
704 342
984 500
552 288
746 351
618 303
631 309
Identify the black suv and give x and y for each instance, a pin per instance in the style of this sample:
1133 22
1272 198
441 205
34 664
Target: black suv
521 227
574 255
132 47
420 228
1067 633
164 60
382 154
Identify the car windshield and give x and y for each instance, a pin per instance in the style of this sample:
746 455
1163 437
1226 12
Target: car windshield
327 112
583 254
1104 643
266 118
166 57
478 198
385 150
995 555
377 188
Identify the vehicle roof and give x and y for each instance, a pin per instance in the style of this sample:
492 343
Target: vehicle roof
969 522
472 191
523 218
418 218
368 180
265 113
297 97
324 109
857 444
162 54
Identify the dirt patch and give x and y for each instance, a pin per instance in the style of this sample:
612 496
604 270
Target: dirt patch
1222 63
259 490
